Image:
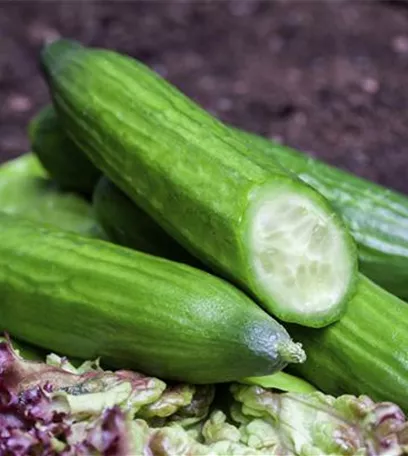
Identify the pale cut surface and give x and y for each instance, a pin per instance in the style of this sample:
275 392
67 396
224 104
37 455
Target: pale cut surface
300 255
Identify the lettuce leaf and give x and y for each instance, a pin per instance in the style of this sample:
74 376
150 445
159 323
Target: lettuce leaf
55 408
316 423
282 382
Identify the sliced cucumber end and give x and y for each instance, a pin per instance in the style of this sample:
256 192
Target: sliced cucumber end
303 258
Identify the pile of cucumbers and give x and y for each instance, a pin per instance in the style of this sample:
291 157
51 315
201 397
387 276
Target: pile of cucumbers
144 231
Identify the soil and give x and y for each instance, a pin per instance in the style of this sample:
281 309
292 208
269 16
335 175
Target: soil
327 77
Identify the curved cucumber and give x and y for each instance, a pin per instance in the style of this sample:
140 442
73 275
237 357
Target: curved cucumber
263 229
67 165
362 354
376 216
24 165
88 298
39 199
366 352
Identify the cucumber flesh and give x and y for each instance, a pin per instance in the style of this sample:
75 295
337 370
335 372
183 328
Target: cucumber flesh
292 253
376 216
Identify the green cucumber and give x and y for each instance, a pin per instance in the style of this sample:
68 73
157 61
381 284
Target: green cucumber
376 216
67 165
128 225
362 354
24 165
266 230
88 298
40 199
366 352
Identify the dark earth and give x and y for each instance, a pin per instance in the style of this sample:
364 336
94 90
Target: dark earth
327 77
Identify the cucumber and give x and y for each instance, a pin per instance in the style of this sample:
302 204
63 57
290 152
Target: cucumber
343 358
381 229
265 230
88 298
376 216
67 165
40 199
366 352
24 165
128 225
362 354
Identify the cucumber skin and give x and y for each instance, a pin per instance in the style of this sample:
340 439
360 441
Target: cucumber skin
168 174
128 225
341 359
87 298
67 165
366 352
376 216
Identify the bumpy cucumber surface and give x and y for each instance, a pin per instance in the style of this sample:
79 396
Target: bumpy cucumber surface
275 236
128 225
67 165
88 298
366 352
376 216
40 199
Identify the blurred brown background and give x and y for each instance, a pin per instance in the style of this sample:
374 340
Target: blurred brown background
328 77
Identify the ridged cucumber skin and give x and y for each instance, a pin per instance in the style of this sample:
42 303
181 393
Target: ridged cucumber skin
128 225
366 352
64 162
39 199
184 168
344 358
376 216
88 298
25 165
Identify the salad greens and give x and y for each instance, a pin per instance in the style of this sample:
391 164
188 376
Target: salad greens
24 165
53 408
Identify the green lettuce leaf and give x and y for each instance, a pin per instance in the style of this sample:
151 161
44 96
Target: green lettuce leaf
25 165
282 382
316 424
85 410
